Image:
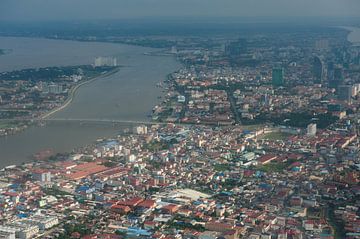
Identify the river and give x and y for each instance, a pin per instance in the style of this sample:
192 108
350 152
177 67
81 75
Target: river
128 94
354 35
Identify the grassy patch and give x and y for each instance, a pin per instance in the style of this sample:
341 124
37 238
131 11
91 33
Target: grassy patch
181 225
272 167
275 136
222 167
252 127
275 166
156 146
109 164
55 192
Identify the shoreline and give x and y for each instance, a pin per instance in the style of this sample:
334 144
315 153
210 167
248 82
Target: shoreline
73 90
70 97
351 30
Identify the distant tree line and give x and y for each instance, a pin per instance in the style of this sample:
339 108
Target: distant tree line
51 73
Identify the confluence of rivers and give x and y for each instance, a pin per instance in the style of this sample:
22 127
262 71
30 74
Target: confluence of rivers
128 94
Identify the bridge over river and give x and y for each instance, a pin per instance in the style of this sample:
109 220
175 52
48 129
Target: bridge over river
110 121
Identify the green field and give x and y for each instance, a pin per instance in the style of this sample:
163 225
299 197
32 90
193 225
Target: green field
275 166
272 167
275 136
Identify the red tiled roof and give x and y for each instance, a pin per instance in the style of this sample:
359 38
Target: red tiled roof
131 202
267 158
121 207
77 175
147 203
170 207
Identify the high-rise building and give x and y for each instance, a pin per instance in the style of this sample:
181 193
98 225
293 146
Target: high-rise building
174 50
338 73
278 77
311 130
330 72
322 44
335 76
141 129
53 88
266 100
7 232
42 176
235 49
344 92
334 107
318 70
105 61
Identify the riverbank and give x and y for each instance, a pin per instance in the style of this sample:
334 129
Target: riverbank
127 95
20 117
354 34
74 89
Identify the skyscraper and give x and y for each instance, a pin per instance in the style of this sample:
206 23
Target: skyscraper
337 77
105 61
322 44
344 92
330 73
318 70
311 130
278 77
235 49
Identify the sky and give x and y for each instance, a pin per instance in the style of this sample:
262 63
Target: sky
45 10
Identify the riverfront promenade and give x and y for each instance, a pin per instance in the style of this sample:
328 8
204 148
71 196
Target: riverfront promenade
73 91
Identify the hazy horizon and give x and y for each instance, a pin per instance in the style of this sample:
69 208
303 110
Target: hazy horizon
68 10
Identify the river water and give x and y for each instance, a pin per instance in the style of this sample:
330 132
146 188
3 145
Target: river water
354 35
128 94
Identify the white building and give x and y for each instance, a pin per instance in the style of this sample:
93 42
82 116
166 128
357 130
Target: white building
22 229
174 50
44 222
42 176
105 61
311 130
131 158
53 88
7 233
181 99
142 129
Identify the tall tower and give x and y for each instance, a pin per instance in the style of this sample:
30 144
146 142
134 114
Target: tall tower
337 77
318 70
311 130
345 93
278 77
